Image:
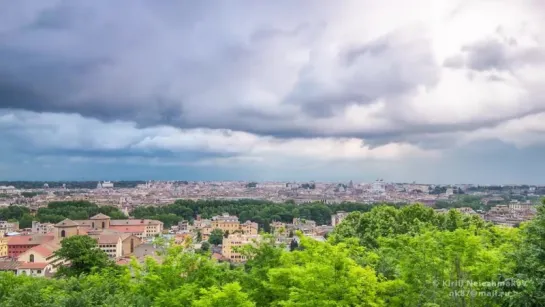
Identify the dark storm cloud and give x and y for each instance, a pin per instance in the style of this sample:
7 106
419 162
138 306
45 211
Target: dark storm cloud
200 64
189 64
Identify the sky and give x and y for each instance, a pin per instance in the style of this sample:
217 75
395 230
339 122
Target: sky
432 91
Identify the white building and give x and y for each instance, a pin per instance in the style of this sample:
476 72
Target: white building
8 190
378 187
42 228
107 185
8 227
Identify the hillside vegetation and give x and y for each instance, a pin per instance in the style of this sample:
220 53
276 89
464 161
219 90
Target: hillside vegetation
409 256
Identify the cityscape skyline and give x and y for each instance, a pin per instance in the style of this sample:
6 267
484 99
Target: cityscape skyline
427 91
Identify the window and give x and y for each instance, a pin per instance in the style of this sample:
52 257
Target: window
63 233
31 258
39 271
103 224
93 224
132 245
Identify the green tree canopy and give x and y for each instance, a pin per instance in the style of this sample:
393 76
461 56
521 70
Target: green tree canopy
216 237
83 256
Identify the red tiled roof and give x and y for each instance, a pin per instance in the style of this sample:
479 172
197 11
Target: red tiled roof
129 228
29 240
134 222
46 250
33 265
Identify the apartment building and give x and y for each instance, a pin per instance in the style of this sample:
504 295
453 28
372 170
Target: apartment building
225 222
8 227
3 245
249 228
115 244
112 245
42 228
235 241
278 227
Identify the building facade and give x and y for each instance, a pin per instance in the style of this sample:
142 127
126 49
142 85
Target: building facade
8 227
233 242
3 246
42 228
227 223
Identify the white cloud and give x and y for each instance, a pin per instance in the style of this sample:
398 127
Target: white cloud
521 132
73 132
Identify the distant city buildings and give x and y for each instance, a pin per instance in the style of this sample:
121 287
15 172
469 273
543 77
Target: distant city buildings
42 228
227 223
105 185
33 254
7 227
232 244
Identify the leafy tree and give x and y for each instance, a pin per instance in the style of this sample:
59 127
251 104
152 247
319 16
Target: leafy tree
205 247
227 296
383 256
83 256
323 275
216 237
530 258
293 245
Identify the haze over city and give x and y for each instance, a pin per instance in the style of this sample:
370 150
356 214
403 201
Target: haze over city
425 91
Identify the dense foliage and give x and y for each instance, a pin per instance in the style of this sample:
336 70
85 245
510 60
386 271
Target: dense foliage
58 211
83 255
261 212
410 256
75 210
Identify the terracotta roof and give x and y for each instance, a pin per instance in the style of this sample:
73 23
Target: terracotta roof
29 240
128 228
100 216
108 239
46 249
9 265
66 223
134 222
33 265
